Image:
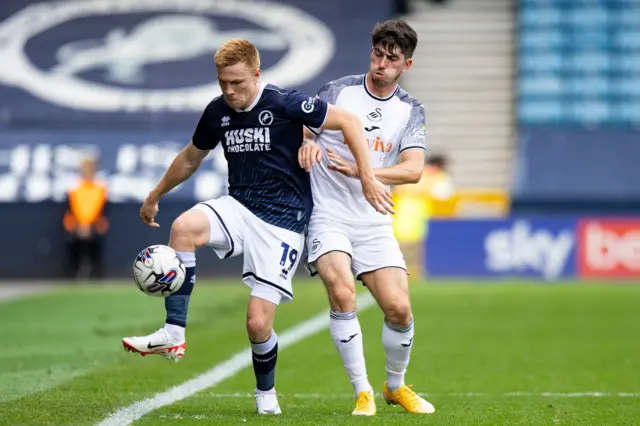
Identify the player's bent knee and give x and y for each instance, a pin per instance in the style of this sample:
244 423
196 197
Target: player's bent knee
398 313
258 327
190 229
342 297
260 314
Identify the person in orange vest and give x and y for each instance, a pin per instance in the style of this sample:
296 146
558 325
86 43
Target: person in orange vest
85 221
414 207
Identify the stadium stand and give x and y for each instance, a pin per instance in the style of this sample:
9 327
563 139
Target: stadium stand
579 63
578 103
464 73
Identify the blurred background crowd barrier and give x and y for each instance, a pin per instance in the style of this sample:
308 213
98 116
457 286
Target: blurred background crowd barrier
533 114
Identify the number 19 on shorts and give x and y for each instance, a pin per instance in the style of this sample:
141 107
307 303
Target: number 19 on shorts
288 259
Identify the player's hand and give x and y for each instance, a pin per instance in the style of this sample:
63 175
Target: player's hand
374 191
148 212
309 154
341 165
378 195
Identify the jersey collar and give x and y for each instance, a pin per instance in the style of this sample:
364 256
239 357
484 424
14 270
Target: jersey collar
261 87
366 89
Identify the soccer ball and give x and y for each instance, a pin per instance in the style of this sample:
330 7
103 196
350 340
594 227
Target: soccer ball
158 271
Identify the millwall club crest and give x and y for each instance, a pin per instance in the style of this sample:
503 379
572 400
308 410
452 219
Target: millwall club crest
265 117
113 63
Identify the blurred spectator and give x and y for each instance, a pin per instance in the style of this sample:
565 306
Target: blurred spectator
414 207
85 222
403 7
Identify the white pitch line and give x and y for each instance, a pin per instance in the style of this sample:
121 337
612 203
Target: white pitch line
226 369
10 292
577 394
459 394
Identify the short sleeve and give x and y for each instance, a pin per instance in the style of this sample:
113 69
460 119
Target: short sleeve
414 134
204 137
328 93
310 111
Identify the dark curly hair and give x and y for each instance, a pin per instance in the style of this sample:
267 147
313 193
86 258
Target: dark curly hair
395 33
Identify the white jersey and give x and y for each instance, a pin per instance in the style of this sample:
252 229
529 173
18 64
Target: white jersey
392 125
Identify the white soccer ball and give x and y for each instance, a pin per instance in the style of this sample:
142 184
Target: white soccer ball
158 271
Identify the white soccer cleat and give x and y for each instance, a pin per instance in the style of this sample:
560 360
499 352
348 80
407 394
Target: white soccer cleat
160 342
267 402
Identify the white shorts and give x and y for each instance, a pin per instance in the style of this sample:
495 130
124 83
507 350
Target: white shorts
371 247
271 254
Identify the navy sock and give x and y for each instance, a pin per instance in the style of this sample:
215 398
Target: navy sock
265 355
177 305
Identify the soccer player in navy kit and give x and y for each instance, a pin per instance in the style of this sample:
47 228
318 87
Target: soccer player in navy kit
266 213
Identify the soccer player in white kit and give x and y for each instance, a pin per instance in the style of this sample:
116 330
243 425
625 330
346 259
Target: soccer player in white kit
349 237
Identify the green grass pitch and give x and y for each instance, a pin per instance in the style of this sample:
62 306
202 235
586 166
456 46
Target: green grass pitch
505 353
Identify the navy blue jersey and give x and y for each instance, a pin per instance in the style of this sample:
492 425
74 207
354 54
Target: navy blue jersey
261 147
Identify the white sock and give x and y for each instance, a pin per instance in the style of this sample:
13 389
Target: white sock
175 331
347 336
397 341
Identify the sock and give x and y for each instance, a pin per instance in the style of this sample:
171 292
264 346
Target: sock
397 341
177 305
265 355
176 331
347 336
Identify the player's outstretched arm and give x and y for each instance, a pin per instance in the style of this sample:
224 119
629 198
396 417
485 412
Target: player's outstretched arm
351 126
407 170
182 167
